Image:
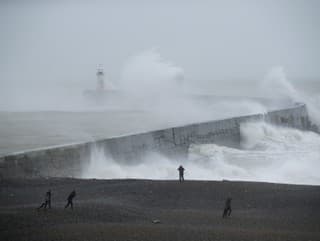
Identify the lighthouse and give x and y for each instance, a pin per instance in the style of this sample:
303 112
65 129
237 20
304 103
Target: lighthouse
104 91
100 79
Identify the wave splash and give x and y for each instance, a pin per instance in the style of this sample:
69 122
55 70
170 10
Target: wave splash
268 153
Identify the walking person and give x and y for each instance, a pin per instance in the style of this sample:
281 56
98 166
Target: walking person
70 198
47 201
227 208
181 172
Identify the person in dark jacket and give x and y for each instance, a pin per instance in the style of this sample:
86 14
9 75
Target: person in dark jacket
181 172
70 198
227 208
47 201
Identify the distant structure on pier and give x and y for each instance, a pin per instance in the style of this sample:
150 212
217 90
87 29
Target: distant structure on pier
104 90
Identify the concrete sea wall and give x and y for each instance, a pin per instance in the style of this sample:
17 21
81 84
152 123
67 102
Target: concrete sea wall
69 160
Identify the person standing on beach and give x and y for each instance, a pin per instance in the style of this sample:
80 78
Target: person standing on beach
227 208
70 198
181 172
47 201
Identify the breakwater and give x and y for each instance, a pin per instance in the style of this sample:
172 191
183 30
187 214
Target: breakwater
70 160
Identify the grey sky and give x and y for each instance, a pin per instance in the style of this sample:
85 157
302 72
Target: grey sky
62 42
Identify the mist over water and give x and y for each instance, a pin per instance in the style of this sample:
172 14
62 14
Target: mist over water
148 74
148 82
276 85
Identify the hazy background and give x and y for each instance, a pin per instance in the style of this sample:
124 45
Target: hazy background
161 55
49 50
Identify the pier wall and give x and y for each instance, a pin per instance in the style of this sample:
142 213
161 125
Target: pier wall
69 160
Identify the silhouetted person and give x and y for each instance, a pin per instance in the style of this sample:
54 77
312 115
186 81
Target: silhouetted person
181 171
70 198
227 208
47 201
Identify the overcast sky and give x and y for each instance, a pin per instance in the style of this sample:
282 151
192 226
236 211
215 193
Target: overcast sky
62 42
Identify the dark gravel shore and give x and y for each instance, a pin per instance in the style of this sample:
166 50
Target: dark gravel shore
125 210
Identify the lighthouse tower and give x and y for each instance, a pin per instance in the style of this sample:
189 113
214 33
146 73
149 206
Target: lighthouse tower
104 91
100 79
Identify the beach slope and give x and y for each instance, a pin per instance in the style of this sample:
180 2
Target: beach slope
124 210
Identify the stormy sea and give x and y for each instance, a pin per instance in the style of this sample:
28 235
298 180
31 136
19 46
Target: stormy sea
268 153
